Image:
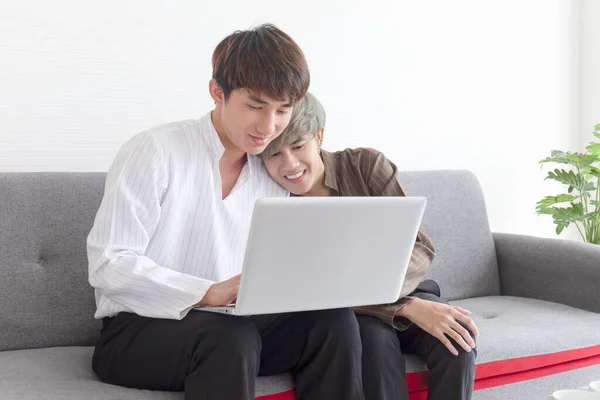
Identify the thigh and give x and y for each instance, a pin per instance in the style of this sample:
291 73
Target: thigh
381 349
286 338
158 354
383 365
377 336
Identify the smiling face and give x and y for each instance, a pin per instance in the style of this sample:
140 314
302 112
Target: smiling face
248 122
257 74
293 159
298 166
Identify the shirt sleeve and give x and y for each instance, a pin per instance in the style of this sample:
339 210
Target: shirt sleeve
125 223
382 179
387 313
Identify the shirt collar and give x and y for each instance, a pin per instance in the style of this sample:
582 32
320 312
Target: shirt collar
330 164
215 147
251 161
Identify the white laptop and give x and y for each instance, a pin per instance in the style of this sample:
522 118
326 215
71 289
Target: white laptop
315 253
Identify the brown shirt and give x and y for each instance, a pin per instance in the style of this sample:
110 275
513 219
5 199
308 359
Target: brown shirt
367 172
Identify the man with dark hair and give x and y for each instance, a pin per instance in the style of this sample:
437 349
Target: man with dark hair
171 233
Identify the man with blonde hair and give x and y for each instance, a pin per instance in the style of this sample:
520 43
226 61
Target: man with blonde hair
418 322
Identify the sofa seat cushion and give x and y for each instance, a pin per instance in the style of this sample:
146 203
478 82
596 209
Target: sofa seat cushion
65 373
520 339
523 339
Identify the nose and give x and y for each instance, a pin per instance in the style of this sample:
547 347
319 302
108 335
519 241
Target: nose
266 124
290 162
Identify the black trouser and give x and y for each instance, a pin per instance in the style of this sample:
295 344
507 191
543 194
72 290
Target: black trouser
216 356
384 373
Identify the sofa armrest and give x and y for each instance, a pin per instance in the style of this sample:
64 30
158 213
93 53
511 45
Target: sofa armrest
556 270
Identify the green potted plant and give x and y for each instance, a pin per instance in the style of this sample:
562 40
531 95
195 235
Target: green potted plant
580 206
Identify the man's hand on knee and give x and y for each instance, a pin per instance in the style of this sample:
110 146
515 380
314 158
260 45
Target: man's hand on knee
442 321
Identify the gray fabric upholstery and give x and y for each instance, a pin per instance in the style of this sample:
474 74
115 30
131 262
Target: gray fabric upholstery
541 388
510 328
65 373
563 271
44 294
456 220
45 218
71 365
89 388
46 301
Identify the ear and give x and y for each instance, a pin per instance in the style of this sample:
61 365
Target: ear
216 92
320 136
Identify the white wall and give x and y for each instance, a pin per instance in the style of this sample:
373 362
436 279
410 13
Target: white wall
487 86
589 54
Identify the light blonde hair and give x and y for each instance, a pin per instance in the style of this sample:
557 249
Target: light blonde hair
308 118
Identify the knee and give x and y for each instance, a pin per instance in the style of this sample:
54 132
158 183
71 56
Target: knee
339 324
380 346
340 320
376 335
233 337
464 361
466 358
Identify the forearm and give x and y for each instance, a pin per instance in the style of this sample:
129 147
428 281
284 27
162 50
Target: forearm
142 286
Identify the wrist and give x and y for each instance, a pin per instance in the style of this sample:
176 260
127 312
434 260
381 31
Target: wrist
201 303
205 299
407 310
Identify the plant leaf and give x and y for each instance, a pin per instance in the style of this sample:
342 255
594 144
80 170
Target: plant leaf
593 147
587 160
593 171
577 160
571 214
583 176
596 131
551 200
571 178
556 156
564 216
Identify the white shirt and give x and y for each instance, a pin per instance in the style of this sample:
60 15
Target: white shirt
163 233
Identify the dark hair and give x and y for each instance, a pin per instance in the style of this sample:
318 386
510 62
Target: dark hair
262 60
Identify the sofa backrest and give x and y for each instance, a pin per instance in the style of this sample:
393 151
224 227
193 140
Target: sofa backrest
456 220
45 297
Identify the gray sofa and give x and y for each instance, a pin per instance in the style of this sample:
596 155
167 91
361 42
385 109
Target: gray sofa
536 301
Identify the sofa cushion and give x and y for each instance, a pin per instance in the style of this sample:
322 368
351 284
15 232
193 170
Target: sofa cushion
524 339
456 220
539 388
46 217
520 339
65 373
45 295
